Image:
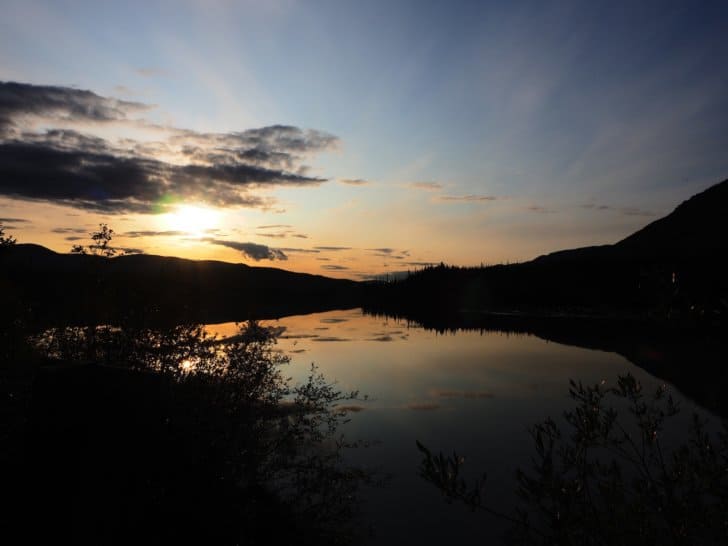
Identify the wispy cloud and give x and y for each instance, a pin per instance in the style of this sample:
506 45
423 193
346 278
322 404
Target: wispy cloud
299 250
463 198
386 252
283 234
540 209
419 264
426 186
151 233
149 72
353 181
332 248
69 230
625 211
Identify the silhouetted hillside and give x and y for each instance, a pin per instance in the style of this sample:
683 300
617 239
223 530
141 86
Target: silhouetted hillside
675 266
696 229
54 287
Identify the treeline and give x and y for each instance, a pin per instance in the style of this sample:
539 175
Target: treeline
45 288
596 282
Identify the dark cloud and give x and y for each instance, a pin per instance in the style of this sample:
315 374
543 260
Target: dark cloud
332 267
274 226
427 186
89 172
111 183
14 221
253 251
332 248
353 181
420 264
464 198
74 238
19 101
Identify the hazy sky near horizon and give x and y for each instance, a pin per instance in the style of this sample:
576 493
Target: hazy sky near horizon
356 138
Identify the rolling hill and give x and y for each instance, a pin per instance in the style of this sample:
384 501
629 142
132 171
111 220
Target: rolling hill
65 287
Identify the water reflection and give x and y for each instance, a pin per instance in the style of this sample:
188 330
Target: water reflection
474 390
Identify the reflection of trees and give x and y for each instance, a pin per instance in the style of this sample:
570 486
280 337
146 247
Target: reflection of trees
233 451
607 480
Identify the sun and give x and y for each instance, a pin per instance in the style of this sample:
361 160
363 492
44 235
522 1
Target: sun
195 220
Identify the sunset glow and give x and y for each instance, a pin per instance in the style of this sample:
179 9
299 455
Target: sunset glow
365 142
192 219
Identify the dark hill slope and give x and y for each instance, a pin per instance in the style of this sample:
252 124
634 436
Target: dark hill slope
697 229
63 287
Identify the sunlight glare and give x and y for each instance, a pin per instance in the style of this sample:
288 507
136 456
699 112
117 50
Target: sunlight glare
193 219
187 364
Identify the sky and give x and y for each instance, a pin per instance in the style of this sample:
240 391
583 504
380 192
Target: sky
353 139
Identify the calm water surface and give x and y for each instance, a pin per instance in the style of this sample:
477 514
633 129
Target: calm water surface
470 391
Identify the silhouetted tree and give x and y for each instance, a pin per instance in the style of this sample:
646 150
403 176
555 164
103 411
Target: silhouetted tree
101 244
5 240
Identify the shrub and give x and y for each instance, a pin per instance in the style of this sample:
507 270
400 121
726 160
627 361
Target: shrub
609 477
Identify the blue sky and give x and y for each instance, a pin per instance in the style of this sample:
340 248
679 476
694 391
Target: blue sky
545 106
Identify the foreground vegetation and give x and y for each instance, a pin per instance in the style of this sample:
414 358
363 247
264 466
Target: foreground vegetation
611 474
143 435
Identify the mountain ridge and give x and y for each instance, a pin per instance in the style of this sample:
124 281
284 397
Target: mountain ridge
76 288
679 235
